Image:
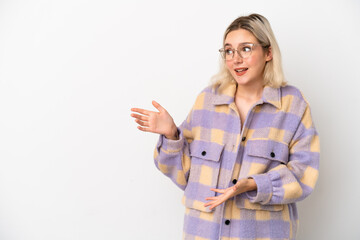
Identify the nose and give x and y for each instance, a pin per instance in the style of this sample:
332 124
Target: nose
237 57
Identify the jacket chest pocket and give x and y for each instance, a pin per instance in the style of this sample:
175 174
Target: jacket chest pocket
263 155
204 174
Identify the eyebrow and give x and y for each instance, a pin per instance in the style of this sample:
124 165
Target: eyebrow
228 44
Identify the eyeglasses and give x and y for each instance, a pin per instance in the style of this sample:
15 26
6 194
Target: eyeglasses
244 50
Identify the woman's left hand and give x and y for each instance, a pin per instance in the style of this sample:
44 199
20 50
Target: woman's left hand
241 186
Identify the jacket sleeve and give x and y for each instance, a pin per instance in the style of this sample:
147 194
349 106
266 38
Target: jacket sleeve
294 181
172 157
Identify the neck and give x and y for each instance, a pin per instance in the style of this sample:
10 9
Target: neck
249 92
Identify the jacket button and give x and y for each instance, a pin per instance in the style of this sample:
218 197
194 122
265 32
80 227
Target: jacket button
243 139
203 153
227 222
272 154
234 181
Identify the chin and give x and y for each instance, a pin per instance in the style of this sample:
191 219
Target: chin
242 81
245 81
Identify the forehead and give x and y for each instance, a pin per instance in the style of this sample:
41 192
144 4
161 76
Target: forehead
239 36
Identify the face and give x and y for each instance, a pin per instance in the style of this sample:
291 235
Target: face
246 71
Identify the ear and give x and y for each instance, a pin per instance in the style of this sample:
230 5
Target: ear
269 54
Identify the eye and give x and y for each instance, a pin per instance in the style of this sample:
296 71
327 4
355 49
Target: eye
246 49
229 51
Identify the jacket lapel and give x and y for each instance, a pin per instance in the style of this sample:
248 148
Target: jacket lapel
226 95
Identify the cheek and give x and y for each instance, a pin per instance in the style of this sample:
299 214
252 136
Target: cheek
229 65
256 61
251 61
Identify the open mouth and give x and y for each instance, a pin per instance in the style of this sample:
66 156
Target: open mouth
240 71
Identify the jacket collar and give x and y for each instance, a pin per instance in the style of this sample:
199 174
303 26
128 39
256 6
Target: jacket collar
227 93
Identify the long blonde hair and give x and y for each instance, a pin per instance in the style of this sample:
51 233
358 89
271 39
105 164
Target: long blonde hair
260 27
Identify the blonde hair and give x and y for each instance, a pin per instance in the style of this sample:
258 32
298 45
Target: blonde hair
260 27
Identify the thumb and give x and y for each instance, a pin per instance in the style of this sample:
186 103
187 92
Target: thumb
158 106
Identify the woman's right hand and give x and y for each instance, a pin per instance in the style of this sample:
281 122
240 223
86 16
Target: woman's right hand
157 122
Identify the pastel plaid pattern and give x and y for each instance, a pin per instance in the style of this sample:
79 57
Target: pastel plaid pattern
278 147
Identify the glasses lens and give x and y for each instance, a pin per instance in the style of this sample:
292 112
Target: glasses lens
245 50
228 53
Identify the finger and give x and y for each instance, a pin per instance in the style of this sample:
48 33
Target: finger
141 117
142 123
218 190
208 204
142 111
143 129
211 198
214 205
158 106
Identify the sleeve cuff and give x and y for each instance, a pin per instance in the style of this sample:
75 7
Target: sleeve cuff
264 190
169 145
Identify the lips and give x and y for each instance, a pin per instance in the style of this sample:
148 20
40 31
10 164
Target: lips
240 71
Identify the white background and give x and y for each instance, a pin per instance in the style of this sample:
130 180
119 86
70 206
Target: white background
73 164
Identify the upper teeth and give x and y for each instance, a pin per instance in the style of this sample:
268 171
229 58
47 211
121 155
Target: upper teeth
240 70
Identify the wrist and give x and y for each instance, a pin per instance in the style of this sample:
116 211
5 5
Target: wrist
174 134
251 184
245 185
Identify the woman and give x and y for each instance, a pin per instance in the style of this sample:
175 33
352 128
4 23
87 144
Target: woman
247 151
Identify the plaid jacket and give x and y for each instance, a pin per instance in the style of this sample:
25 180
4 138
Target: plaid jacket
278 147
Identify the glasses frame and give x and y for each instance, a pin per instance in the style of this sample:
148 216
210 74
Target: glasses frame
252 45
